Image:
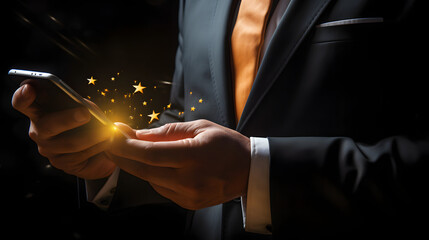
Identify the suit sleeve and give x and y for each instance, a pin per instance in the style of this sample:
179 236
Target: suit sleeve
330 184
132 191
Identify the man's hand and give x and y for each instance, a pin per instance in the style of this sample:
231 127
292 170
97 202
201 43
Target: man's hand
76 151
195 164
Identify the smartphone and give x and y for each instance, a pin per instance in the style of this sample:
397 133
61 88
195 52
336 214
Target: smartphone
56 99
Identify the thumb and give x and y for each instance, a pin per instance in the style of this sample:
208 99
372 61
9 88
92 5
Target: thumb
23 100
168 132
126 130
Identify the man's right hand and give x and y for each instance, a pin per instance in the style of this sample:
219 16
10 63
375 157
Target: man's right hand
74 150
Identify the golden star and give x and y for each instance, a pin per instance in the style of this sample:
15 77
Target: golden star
201 100
193 109
169 105
153 116
91 80
144 103
139 88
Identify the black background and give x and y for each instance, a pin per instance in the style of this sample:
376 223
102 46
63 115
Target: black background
137 39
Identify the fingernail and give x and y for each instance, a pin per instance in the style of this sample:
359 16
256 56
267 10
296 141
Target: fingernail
81 115
24 90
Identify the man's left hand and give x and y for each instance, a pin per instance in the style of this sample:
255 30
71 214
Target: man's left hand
195 164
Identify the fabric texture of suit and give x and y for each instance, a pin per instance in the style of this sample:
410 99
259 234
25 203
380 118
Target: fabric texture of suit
344 108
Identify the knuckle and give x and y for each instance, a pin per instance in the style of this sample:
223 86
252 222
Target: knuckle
203 122
44 151
169 128
45 129
39 131
33 134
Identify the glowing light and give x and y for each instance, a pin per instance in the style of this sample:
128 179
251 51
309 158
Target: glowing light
114 100
193 109
201 100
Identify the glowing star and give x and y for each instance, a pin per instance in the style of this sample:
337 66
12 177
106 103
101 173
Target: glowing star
91 80
169 105
193 109
139 88
144 103
153 116
201 100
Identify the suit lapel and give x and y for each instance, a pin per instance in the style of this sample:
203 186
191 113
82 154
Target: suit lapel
220 61
298 19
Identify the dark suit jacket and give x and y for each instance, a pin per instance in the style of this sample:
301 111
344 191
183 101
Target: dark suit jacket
344 108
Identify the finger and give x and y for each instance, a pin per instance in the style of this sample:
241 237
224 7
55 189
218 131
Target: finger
73 142
22 100
131 133
96 167
73 160
53 124
161 154
162 176
168 132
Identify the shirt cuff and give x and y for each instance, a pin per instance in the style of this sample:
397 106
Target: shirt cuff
256 204
102 195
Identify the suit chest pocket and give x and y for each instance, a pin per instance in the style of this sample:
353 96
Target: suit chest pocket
358 29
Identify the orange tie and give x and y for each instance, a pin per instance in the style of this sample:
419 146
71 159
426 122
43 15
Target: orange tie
246 42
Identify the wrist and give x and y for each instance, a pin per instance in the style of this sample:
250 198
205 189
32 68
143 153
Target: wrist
246 164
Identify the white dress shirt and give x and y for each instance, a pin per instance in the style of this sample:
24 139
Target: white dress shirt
256 204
